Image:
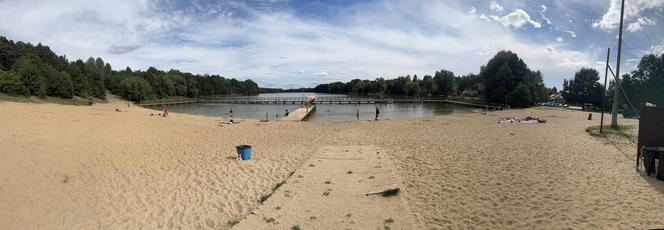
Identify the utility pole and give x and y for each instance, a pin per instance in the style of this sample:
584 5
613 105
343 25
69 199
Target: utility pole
606 74
614 109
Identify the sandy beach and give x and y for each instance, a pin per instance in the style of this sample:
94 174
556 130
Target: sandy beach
79 167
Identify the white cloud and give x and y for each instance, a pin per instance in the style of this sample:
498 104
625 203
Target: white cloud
203 41
472 10
637 25
560 39
548 21
611 19
657 49
571 33
517 19
495 6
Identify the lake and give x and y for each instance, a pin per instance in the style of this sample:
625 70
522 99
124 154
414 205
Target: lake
324 112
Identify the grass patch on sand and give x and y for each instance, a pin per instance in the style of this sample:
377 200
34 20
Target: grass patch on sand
232 223
53 100
265 197
276 186
274 189
625 131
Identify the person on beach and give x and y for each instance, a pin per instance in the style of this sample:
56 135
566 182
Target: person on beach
231 112
358 114
377 113
165 110
286 113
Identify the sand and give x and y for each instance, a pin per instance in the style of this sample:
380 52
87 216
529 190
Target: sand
331 190
79 167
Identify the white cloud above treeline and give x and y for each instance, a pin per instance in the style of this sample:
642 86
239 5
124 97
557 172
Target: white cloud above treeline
233 39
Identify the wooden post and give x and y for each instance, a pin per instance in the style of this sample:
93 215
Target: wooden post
606 74
614 108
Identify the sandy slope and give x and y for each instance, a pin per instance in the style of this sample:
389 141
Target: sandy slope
70 167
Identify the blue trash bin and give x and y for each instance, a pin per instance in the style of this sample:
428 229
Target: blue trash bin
243 152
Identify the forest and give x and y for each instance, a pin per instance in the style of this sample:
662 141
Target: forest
27 69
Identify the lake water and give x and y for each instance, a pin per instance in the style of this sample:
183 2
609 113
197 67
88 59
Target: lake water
324 112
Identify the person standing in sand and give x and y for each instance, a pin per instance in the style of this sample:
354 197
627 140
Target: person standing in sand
358 114
377 113
231 113
165 111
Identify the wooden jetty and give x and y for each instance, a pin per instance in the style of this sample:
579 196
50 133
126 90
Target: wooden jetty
299 114
159 103
292 100
304 100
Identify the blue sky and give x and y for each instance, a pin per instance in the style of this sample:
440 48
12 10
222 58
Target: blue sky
281 43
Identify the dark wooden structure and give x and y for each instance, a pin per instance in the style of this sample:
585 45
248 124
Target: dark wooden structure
651 140
304 100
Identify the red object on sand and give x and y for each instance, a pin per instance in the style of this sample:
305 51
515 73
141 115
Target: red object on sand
165 111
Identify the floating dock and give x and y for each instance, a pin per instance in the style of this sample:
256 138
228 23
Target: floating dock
299 114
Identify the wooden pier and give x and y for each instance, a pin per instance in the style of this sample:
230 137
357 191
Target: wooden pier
292 100
299 114
304 100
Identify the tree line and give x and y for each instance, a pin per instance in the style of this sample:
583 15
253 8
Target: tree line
644 84
505 79
27 69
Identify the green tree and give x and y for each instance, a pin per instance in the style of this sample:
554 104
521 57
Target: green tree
506 72
444 80
192 87
31 75
428 86
95 74
583 88
520 97
470 82
135 89
58 83
11 84
646 83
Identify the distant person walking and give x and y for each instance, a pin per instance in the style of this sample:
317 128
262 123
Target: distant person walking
286 113
231 113
165 111
358 114
377 113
